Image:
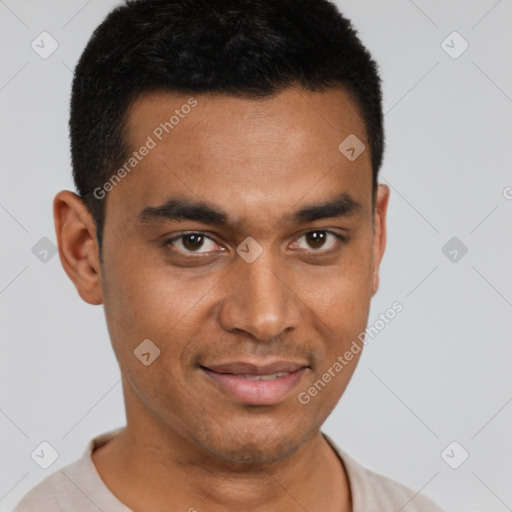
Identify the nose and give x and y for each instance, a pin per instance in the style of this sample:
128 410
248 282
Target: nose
260 300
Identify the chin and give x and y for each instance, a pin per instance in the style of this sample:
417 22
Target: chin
256 454
255 446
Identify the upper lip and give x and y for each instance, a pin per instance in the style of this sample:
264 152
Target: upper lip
243 368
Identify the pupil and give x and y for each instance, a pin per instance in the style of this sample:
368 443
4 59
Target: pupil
316 239
193 242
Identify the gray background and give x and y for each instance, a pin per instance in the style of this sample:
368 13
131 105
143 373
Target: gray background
438 373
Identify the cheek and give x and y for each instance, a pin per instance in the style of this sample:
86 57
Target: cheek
342 295
340 308
148 296
149 300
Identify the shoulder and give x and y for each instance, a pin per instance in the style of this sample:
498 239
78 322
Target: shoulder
46 495
382 491
76 487
372 492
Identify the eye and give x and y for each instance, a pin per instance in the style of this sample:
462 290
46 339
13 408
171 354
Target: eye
189 243
319 239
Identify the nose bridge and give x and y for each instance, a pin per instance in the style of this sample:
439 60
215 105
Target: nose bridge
259 301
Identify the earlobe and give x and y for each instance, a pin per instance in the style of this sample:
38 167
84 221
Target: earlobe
78 249
379 232
375 282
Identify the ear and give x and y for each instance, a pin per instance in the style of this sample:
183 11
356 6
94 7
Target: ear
379 232
78 249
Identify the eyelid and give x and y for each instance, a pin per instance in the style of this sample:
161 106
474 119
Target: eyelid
340 238
169 241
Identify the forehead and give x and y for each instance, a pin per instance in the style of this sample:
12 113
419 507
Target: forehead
302 113
265 152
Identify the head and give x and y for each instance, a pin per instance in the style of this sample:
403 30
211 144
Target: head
219 214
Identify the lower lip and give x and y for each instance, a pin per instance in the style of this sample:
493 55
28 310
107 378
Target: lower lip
256 392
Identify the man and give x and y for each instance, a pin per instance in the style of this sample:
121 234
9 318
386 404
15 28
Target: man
229 219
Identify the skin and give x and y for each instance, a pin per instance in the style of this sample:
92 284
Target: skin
186 441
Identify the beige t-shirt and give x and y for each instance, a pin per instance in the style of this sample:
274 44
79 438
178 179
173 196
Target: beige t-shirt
79 488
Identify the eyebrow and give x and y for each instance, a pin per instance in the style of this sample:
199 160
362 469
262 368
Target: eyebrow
179 209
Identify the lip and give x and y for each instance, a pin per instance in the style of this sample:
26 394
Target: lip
240 380
239 368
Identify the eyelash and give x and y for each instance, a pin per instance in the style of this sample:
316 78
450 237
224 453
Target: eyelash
341 238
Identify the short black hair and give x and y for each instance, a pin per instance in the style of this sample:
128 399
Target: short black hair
253 48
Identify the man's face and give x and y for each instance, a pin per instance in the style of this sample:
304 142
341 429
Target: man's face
171 272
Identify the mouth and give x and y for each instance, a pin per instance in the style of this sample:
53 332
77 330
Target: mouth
255 384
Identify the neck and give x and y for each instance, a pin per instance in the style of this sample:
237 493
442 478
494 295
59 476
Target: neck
148 469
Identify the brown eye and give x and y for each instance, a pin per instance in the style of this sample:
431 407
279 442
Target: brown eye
189 243
320 240
193 242
316 239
